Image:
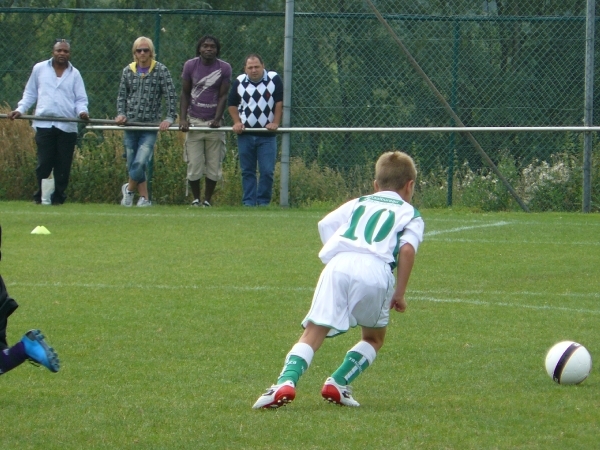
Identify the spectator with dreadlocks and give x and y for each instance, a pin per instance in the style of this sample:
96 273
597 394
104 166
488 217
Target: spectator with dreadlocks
204 88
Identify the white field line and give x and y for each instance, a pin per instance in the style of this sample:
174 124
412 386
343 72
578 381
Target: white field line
510 305
411 296
516 241
446 292
420 295
191 287
185 213
470 227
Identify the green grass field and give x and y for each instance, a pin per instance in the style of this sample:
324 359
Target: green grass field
171 321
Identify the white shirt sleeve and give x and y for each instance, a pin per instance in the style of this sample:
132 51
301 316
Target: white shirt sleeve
413 233
334 220
81 99
30 93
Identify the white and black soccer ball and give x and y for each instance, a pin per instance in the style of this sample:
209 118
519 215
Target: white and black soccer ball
568 363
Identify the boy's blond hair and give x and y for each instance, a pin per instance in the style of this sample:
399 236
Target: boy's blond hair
137 43
393 170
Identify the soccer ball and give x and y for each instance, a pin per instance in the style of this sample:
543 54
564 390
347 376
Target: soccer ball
568 363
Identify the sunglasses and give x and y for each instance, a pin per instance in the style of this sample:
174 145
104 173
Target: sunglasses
57 41
142 50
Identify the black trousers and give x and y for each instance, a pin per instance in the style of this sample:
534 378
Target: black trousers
7 307
55 150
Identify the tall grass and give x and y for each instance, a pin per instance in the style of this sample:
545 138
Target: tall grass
17 158
99 171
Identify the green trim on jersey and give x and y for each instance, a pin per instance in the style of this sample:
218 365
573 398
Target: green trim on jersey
417 213
396 250
380 199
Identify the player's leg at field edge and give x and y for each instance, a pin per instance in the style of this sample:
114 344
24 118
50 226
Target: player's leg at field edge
12 357
301 354
361 356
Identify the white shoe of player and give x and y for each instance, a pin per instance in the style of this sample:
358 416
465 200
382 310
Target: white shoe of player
276 396
335 393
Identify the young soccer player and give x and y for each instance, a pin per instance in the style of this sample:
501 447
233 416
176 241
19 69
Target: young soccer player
31 347
364 240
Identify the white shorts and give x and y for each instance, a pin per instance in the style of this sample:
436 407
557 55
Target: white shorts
353 289
204 152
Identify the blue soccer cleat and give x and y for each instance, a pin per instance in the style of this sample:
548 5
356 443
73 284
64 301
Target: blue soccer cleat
38 350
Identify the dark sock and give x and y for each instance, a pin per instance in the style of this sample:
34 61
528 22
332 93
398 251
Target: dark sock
12 357
210 188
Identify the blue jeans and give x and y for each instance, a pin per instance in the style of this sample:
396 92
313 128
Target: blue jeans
139 146
253 150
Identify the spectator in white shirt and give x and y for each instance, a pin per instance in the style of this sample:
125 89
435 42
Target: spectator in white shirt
57 90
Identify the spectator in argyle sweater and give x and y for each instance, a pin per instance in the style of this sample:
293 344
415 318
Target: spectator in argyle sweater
256 102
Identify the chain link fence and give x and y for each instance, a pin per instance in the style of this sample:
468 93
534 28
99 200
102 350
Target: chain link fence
496 63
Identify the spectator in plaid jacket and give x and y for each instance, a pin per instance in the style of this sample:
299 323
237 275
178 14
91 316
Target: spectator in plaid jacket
143 85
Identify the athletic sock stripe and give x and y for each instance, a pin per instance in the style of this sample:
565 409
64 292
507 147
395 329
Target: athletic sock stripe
564 359
358 367
352 372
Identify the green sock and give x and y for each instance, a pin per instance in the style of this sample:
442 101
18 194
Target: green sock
354 364
293 369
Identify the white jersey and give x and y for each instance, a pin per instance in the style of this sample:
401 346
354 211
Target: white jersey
377 224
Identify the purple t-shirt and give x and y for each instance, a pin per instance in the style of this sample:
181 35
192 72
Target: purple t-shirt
206 83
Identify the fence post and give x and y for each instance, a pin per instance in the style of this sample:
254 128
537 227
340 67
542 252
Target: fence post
589 105
288 46
157 51
453 102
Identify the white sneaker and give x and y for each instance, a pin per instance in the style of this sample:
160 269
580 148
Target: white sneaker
335 393
196 202
143 202
276 396
127 196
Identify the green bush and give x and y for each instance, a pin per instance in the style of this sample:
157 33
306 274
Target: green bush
483 190
553 186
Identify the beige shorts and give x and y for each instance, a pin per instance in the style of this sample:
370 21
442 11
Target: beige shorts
353 289
203 152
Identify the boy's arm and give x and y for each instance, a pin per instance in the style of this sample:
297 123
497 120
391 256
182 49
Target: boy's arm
223 93
30 93
406 259
334 220
184 102
171 100
81 98
122 99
